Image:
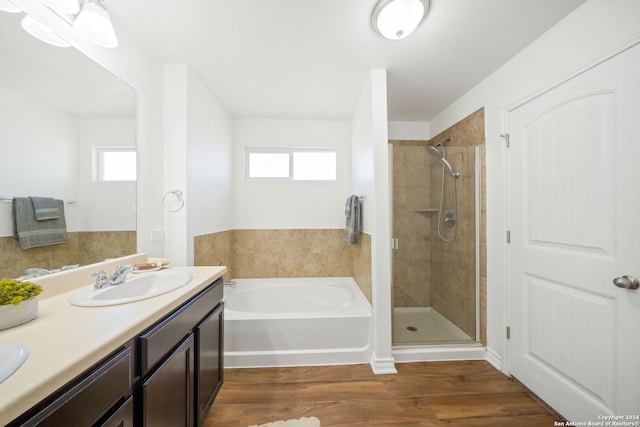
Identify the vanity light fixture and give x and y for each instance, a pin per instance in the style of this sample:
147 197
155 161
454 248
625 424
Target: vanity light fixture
42 32
94 24
70 7
396 19
6 6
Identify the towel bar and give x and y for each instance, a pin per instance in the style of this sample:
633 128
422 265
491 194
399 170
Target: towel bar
10 199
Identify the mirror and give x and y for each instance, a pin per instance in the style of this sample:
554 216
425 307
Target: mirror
58 111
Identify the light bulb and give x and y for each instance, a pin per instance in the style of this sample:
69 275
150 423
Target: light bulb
94 24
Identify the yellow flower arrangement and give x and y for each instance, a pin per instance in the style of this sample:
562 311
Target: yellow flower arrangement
14 291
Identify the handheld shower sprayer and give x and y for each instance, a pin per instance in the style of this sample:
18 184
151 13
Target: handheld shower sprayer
450 219
438 152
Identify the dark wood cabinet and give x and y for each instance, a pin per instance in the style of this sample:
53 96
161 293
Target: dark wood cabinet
201 362
167 395
168 375
209 336
123 417
92 397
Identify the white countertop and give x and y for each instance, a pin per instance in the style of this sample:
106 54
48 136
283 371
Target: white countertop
65 340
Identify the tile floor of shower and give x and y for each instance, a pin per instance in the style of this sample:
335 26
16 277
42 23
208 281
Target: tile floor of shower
424 325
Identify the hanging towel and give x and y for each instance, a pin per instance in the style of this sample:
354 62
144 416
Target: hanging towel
32 233
353 213
45 208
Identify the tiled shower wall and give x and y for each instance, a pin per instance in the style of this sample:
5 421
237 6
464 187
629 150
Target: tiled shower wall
287 253
85 247
411 277
428 271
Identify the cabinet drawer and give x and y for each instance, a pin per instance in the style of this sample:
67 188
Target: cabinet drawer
87 401
160 339
123 416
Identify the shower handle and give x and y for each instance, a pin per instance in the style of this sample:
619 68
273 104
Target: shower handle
627 282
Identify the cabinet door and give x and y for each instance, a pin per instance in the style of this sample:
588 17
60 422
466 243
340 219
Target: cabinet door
167 395
209 360
123 416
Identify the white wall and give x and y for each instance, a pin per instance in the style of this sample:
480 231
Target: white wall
409 130
103 206
597 27
289 204
175 163
371 177
209 136
197 147
41 139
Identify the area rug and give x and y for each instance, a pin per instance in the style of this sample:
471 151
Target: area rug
300 422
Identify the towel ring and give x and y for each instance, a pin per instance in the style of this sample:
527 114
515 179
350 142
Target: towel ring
179 196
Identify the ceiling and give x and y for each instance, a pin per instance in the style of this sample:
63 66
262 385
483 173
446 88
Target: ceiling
306 59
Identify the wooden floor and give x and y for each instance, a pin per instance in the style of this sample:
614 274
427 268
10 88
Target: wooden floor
466 393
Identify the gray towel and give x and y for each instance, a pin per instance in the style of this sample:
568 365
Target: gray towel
32 233
45 208
353 226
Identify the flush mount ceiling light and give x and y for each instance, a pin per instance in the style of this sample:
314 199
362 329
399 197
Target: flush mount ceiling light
70 7
94 24
5 6
396 19
42 32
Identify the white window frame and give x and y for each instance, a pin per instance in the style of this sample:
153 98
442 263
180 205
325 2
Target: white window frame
99 167
290 152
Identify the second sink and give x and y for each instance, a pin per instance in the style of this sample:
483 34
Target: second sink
12 356
135 288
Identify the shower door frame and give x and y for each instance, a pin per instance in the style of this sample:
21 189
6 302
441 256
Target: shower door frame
478 224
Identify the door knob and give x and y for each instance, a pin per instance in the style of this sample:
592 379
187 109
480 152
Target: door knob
626 282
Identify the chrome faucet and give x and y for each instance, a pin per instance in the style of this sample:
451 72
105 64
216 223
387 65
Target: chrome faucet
37 271
121 273
103 280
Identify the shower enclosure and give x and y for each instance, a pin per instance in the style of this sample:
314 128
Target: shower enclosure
436 263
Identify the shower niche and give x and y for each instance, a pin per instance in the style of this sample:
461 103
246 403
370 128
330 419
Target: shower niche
438 221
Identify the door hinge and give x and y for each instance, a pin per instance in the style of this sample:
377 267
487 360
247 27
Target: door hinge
508 332
507 142
508 236
394 243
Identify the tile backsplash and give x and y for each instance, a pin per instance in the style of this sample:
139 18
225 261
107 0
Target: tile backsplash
84 247
287 253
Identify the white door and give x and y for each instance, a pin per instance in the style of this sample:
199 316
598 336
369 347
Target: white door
574 217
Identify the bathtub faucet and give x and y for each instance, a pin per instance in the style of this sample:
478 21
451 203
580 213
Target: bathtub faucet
230 283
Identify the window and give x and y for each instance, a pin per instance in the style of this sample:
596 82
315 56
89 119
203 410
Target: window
297 164
115 164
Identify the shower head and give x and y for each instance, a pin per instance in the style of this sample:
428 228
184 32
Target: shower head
438 152
434 151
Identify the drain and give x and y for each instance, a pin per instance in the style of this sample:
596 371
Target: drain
412 329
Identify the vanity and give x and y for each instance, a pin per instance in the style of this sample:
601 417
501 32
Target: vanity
157 361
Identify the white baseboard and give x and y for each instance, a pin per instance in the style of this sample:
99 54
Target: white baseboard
493 358
381 366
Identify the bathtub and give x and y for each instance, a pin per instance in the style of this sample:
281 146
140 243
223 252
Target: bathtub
295 322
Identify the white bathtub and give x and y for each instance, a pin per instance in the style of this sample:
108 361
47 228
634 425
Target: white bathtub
295 322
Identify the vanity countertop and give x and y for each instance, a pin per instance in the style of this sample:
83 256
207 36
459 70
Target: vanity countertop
65 340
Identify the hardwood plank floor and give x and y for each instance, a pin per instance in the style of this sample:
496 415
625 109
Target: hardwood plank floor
463 393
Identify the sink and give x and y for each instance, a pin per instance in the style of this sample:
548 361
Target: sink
135 288
12 356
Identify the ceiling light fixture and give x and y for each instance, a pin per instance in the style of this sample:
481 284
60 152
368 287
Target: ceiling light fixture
94 24
396 19
6 6
70 7
42 32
